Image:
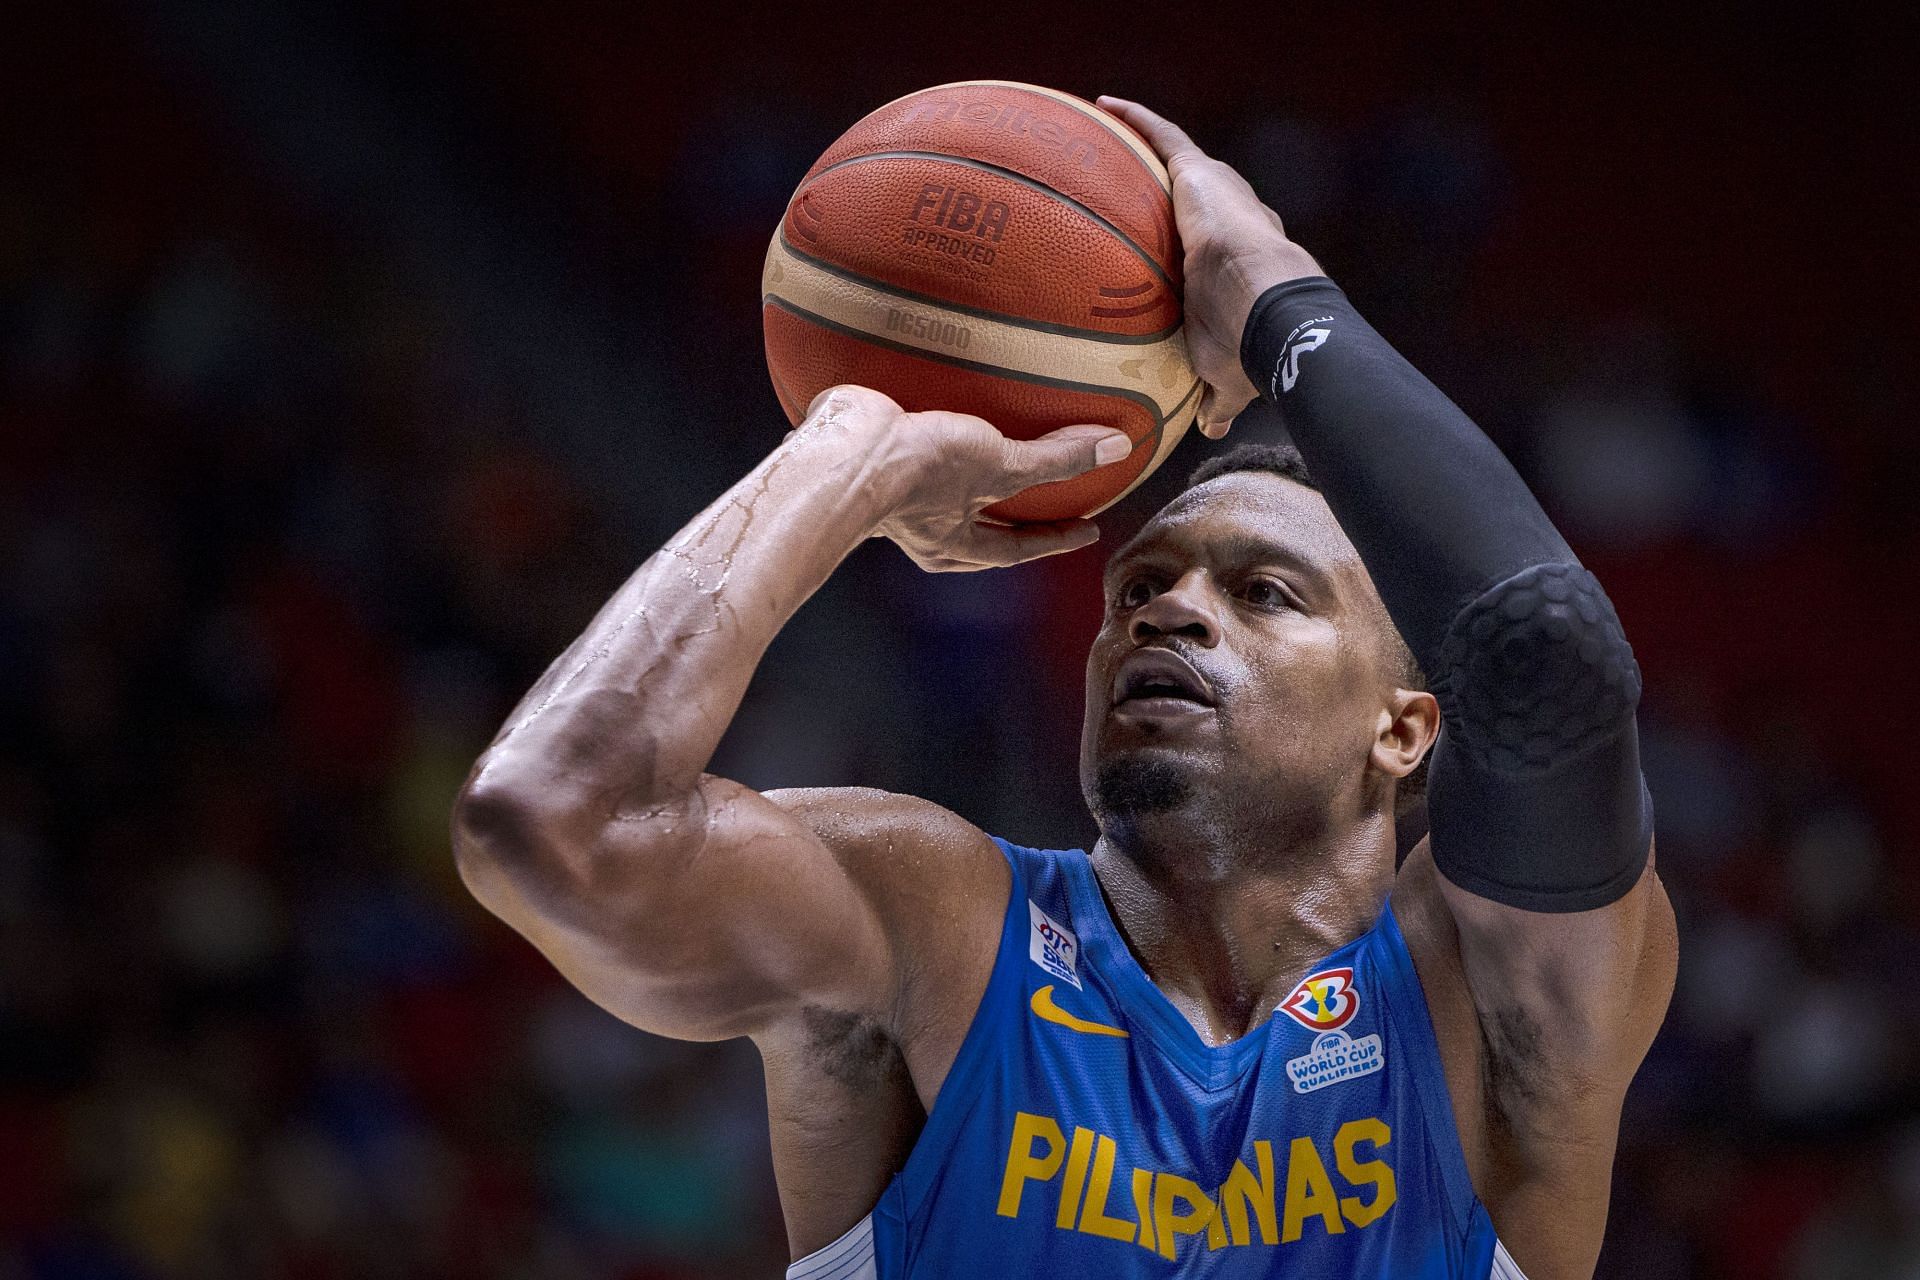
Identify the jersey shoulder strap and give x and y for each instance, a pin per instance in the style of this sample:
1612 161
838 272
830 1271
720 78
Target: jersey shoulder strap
1396 984
999 1009
1042 907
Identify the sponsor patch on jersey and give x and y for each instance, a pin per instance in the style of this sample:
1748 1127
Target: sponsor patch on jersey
1053 946
1335 1056
1324 1001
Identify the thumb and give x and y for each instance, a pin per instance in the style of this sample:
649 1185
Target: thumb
1064 454
1208 418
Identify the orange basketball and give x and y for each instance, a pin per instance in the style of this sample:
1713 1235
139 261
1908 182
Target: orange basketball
997 249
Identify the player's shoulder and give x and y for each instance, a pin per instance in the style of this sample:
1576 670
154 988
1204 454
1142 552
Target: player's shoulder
866 820
906 854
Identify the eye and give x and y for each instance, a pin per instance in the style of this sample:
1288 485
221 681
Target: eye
1266 593
1134 593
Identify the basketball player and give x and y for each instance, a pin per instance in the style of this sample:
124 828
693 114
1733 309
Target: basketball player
1231 1040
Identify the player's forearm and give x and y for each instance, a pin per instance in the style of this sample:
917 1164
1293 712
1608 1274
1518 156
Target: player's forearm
1536 794
619 730
1435 510
630 714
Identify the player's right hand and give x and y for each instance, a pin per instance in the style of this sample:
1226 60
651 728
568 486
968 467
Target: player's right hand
1236 249
943 469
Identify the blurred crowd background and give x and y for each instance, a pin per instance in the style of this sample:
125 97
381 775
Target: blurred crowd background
351 354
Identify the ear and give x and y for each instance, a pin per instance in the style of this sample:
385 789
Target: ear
1405 731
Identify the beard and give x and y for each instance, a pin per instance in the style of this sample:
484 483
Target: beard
1131 787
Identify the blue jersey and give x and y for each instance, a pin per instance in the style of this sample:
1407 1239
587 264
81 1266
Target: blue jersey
1086 1130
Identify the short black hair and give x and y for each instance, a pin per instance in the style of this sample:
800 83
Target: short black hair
1280 459
1284 460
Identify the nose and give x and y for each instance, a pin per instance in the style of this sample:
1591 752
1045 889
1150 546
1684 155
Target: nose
1181 610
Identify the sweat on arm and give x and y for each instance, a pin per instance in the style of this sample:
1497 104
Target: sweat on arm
1535 794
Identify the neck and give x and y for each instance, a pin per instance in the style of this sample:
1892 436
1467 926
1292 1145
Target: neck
1226 925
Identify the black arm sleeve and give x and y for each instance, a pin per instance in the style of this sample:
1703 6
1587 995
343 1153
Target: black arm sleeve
1535 797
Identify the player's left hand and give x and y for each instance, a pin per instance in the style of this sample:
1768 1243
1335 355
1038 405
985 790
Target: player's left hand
939 471
1236 250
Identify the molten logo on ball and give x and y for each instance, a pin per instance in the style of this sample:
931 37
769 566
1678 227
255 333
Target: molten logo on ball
1008 118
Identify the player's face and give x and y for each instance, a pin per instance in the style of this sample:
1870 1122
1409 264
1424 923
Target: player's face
1244 654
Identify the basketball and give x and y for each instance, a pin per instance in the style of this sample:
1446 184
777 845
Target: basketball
997 249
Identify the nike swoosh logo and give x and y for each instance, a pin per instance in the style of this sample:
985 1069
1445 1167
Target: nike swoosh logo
1045 1009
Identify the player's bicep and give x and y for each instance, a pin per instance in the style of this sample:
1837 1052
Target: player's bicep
713 920
1540 826
1568 1002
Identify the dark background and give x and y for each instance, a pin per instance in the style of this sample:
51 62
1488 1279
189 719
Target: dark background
350 355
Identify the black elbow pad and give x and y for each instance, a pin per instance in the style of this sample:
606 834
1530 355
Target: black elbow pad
1536 798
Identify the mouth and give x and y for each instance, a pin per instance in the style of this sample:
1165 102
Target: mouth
1158 680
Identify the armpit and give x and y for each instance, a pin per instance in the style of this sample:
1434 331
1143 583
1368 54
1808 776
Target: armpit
1514 1066
852 1049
